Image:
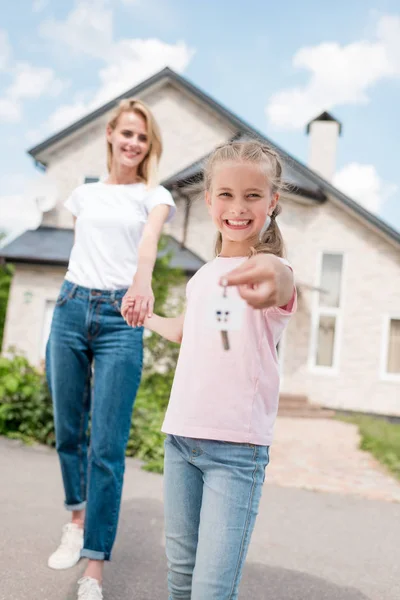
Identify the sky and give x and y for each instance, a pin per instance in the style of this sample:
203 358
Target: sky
276 65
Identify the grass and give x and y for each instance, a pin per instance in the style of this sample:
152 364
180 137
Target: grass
381 438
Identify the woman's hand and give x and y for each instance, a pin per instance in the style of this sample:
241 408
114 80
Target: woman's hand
263 281
138 302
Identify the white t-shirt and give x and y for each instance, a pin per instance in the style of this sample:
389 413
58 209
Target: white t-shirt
109 224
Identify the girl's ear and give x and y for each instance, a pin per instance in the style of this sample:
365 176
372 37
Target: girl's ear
274 202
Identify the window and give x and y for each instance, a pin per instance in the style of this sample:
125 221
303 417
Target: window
327 313
91 179
48 315
391 348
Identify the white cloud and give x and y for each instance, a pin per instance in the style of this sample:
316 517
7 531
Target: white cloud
338 75
86 30
66 114
33 82
10 111
131 61
363 184
134 60
27 81
5 49
18 213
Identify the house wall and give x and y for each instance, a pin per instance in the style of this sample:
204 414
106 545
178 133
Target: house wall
371 282
371 290
32 286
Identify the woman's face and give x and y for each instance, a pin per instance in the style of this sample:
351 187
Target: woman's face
129 140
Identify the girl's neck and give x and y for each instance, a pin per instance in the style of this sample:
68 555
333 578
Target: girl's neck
236 249
122 175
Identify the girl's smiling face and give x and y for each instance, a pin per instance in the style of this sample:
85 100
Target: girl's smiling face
239 202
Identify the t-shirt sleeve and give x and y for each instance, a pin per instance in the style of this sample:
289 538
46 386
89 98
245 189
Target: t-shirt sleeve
73 203
160 195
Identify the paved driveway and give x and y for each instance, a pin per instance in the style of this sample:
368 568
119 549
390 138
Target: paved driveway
307 545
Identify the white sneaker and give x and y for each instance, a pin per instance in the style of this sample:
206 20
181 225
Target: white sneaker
89 589
69 551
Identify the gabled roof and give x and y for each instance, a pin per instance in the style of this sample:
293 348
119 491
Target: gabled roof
52 246
303 177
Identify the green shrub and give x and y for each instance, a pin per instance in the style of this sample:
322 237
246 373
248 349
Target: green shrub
26 410
6 272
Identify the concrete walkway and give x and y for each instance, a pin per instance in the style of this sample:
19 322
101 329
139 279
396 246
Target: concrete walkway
324 455
307 545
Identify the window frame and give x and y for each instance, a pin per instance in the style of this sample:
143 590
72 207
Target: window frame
383 373
43 342
318 311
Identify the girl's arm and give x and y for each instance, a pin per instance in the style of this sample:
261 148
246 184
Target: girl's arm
263 281
140 290
171 329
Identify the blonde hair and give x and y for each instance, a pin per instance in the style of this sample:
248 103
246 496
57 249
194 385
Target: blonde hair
271 241
148 168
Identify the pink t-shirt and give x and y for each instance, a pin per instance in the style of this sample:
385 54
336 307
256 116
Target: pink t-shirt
227 395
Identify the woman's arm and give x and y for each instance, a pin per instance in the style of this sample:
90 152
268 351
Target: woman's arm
140 291
263 281
171 329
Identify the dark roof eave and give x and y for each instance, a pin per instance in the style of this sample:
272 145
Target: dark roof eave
33 260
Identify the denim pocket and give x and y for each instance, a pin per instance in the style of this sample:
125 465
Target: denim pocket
63 296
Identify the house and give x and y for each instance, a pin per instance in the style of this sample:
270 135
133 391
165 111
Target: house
342 348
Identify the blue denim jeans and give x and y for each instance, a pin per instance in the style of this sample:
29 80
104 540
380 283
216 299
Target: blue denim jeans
93 365
212 492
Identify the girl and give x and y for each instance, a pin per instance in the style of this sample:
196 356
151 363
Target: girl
117 227
224 402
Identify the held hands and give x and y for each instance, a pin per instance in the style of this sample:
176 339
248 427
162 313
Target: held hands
138 303
263 281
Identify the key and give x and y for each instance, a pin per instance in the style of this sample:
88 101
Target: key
225 313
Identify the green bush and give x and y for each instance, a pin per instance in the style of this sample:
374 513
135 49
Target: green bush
6 272
26 410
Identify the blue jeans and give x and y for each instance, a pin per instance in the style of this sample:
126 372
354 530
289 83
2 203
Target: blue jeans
212 492
93 365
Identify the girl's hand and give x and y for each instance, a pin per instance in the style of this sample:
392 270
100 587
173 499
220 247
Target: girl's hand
263 281
138 303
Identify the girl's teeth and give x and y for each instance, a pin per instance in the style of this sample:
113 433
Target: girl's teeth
239 223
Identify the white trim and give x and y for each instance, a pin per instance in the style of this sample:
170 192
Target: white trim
383 374
318 311
46 325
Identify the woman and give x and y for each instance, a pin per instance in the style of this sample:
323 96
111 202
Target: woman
94 358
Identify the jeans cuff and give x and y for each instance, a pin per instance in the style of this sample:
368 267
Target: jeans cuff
79 506
94 555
